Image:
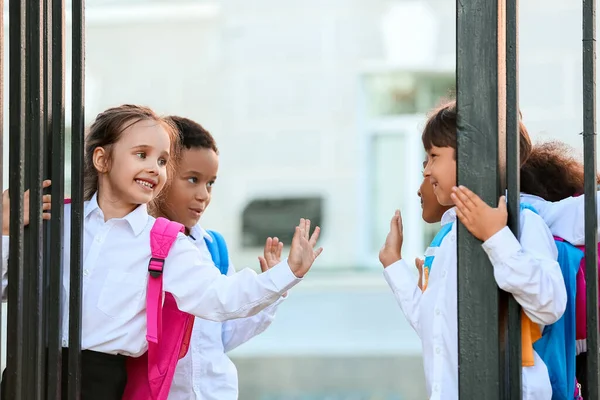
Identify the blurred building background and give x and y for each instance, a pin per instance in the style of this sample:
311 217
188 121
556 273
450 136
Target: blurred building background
317 106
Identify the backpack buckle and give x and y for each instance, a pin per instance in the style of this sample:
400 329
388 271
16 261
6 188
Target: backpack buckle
155 267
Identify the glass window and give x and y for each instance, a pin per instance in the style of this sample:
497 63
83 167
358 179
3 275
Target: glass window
406 92
276 217
387 182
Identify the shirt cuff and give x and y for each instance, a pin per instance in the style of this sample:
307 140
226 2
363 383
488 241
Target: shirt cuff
282 277
5 247
502 246
401 278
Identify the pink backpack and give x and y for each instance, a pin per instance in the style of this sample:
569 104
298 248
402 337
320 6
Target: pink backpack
149 377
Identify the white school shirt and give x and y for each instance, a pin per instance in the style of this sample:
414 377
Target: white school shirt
206 373
528 270
115 274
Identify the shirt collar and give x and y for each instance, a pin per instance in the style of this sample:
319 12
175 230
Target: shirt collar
449 216
137 219
198 232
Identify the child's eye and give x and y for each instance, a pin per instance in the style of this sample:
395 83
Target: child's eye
141 155
162 162
210 184
192 179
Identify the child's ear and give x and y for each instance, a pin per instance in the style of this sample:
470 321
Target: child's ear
100 160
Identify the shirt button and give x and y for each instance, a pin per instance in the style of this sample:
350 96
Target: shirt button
438 350
445 273
436 388
437 311
64 343
85 272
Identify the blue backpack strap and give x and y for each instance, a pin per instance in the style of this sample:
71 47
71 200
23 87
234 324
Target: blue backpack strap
557 346
435 244
218 251
527 206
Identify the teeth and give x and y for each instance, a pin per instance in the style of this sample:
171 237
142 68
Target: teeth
148 184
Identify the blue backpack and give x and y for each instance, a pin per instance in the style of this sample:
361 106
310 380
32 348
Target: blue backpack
557 347
218 251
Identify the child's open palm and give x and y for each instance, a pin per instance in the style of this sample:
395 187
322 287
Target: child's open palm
302 252
479 218
271 255
392 248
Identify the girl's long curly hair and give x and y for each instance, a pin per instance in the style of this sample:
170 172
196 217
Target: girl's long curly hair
552 172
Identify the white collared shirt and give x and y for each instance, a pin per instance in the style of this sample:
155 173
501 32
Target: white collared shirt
206 373
528 270
115 274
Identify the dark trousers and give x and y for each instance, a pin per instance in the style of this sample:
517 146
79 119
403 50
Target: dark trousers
103 376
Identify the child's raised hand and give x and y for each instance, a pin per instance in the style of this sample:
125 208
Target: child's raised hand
480 219
302 252
46 205
392 248
272 254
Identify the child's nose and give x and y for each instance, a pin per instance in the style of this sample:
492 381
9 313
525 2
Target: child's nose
202 193
427 171
152 167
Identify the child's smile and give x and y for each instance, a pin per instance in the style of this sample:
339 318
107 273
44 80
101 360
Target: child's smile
441 171
146 184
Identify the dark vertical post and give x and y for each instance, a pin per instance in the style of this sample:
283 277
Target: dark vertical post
47 112
77 200
481 105
510 310
1 126
57 166
16 334
33 232
592 379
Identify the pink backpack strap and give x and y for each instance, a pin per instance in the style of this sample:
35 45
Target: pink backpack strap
162 236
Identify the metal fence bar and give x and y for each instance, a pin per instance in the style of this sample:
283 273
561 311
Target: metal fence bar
479 65
1 127
55 331
77 134
15 342
47 113
34 302
592 377
510 310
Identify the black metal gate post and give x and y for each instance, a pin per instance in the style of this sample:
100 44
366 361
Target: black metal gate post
510 311
482 112
77 134
592 378
37 140
34 163
1 128
56 87
16 336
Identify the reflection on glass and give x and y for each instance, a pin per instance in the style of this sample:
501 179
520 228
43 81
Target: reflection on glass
406 92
